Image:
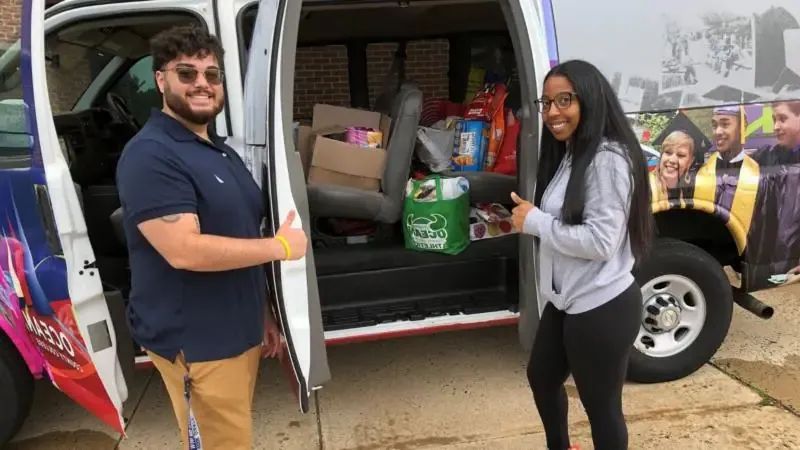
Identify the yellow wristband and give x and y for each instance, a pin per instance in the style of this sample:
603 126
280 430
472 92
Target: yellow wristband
285 244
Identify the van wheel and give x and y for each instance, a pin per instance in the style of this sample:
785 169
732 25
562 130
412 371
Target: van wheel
687 306
16 390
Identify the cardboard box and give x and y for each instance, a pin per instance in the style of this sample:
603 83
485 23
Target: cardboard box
304 145
327 117
342 164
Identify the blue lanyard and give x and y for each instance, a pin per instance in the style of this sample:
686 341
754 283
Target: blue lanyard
194 431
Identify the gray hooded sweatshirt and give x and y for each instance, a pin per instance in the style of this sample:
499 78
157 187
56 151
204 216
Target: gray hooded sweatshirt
584 266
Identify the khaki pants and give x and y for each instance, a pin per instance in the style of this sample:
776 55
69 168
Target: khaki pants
221 397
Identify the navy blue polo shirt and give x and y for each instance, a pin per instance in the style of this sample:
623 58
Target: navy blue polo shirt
166 169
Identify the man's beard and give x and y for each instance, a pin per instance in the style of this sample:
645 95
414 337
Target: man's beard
180 106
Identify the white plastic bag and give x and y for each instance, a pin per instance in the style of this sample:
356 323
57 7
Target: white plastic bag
436 148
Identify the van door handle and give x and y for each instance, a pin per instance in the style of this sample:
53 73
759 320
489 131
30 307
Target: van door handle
48 218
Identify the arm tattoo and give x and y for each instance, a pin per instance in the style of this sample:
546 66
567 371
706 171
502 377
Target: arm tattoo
172 218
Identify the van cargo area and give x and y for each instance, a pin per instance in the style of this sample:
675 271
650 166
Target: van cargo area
379 90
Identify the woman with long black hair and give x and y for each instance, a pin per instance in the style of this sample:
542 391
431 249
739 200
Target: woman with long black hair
592 222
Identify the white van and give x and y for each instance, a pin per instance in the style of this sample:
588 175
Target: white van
82 71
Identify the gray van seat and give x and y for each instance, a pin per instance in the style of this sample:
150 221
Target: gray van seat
119 230
385 206
488 187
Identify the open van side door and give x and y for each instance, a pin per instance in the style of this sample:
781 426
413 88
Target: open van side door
269 152
65 311
529 32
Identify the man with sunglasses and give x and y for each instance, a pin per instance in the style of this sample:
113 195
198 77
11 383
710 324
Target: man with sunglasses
193 219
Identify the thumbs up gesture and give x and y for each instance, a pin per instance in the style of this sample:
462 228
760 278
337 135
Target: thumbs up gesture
520 211
295 238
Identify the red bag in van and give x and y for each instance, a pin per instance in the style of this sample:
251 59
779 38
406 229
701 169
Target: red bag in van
507 156
480 108
497 126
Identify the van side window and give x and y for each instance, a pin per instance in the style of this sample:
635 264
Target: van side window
138 88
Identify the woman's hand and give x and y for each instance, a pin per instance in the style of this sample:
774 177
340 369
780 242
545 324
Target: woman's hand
520 211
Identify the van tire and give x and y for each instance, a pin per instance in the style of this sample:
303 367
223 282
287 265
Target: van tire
685 263
16 391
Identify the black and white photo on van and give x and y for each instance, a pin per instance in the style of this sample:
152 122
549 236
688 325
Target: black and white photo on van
686 54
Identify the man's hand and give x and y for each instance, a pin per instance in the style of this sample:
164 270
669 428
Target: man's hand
272 347
295 237
520 211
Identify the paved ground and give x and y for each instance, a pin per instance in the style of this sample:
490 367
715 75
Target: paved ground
467 390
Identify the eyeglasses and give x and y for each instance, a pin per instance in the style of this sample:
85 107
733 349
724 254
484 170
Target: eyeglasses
188 75
562 101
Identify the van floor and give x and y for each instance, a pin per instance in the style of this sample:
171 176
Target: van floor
392 254
368 284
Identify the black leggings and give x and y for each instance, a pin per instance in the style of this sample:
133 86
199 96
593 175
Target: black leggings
595 346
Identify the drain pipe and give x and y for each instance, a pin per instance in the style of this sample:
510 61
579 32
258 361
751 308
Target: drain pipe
753 304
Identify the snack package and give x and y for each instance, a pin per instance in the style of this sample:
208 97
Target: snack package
475 79
364 137
480 107
489 220
469 145
507 155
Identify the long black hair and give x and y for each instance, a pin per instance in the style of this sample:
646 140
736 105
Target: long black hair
601 117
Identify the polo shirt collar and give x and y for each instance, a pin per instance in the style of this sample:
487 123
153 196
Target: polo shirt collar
177 130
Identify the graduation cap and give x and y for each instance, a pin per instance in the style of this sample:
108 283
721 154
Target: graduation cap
729 94
787 81
682 122
769 37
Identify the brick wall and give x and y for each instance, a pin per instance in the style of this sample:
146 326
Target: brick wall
10 12
320 76
321 72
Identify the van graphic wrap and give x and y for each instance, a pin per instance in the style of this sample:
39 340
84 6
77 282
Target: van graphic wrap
741 164
36 298
715 78
685 54
12 300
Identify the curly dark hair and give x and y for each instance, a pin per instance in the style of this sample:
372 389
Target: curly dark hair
183 40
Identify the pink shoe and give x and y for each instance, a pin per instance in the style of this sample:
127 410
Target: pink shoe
574 447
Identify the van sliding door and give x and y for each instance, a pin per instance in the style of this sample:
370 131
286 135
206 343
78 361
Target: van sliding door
269 152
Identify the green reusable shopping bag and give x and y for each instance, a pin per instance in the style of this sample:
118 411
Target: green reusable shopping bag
433 223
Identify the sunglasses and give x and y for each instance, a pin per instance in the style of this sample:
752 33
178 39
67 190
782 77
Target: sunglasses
188 75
